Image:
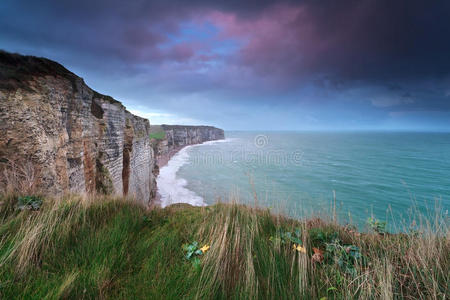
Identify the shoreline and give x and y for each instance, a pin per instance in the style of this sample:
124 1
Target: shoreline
161 162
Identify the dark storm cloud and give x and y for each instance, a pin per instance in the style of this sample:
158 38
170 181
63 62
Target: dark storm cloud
394 55
379 39
347 39
368 40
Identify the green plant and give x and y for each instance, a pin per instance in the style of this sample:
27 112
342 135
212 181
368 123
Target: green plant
147 220
193 252
377 225
286 236
346 256
29 202
321 236
191 249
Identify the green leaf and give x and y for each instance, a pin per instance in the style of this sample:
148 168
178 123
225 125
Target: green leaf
197 264
288 236
29 202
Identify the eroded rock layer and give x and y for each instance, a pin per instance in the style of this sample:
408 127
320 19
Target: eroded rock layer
78 139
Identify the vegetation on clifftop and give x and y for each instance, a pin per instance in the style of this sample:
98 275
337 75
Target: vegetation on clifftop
158 135
102 247
16 70
157 132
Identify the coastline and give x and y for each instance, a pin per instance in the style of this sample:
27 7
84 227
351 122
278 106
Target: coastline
162 161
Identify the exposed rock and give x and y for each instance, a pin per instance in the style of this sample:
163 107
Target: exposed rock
80 140
169 139
178 136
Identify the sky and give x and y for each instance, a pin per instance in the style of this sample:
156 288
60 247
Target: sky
251 65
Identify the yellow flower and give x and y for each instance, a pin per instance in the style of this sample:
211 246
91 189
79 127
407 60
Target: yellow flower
299 248
204 248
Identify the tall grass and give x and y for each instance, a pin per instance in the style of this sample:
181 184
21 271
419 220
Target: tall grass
103 247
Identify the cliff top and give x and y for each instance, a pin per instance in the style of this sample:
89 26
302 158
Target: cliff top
168 127
16 70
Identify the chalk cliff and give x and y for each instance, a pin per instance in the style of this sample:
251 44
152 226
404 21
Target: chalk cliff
78 139
178 136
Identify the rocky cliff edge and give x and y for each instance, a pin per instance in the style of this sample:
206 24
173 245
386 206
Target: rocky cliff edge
78 140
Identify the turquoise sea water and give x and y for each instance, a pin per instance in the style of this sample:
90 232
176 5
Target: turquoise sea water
384 174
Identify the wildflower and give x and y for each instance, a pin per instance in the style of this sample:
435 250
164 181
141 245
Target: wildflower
318 255
299 248
204 248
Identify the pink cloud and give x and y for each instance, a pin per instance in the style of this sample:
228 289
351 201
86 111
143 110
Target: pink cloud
276 42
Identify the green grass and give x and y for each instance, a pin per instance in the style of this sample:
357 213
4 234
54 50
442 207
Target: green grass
158 135
113 248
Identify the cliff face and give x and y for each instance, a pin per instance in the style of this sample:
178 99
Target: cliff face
179 135
78 139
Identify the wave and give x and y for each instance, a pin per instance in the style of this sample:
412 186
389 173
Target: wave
227 140
171 188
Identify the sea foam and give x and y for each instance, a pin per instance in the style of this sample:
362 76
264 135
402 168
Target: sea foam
171 188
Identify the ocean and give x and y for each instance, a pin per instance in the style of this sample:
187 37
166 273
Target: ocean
391 176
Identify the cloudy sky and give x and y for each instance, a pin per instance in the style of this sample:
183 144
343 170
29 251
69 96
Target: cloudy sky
259 64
